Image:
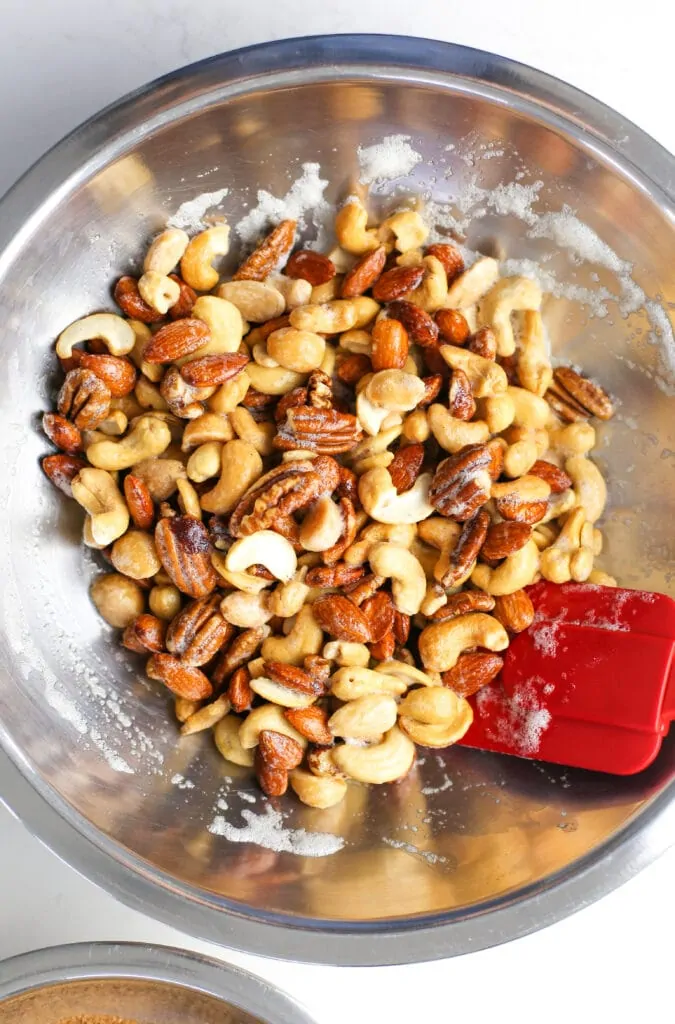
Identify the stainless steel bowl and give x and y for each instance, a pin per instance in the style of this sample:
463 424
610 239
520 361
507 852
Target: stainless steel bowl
471 849
143 984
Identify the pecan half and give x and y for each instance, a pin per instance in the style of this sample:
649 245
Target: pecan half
422 330
364 273
341 618
239 692
463 603
312 266
449 256
466 550
240 651
184 549
564 405
294 678
146 634
312 723
62 470
461 483
589 395
472 672
557 479
181 679
514 611
406 466
268 254
186 300
139 501
198 632
462 404
209 371
62 433
175 340
334 576
397 282
504 539
379 613
128 298
319 390
390 345
84 399
353 368
453 326
484 343
278 750
277 494
325 431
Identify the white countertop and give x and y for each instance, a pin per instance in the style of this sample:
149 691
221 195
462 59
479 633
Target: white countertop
61 62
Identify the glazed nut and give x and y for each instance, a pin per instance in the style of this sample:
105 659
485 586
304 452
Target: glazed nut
395 390
135 556
534 366
256 300
441 643
298 350
570 557
240 467
398 533
382 762
61 432
416 427
96 491
204 462
159 291
113 330
247 611
409 581
166 251
195 265
185 549
165 601
507 296
267 717
443 734
304 638
118 599
473 284
317 791
226 737
487 377
519 458
515 572
590 396
84 399
182 680
589 486
382 502
269 254
272 380
277 693
351 230
454 434
263 548
160 476
225 326
515 611
573 439
366 718
498 412
406 229
148 438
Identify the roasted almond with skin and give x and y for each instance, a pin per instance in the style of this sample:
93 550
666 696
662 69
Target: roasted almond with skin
128 298
390 345
62 433
270 326
484 343
472 672
186 299
353 368
139 501
401 628
461 403
379 613
210 371
84 399
272 781
312 723
463 603
432 388
589 395
341 618
293 677
239 652
504 539
364 273
449 256
339 575
514 611
406 466
453 326
184 681
62 470
239 692
397 282
465 552
278 750
118 373
176 340
556 478
269 254
311 266
146 634
184 548
422 330
383 650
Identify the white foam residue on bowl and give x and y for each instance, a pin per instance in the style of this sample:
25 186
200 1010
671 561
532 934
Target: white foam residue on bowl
304 202
190 215
387 160
268 830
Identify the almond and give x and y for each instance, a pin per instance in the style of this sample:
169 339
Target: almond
270 326
338 575
585 392
62 433
420 327
293 677
312 723
186 299
278 750
84 399
397 282
406 466
432 387
383 649
341 618
450 257
401 627
128 298
379 613
353 368
145 634
514 611
453 326
175 340
139 501
472 672
311 266
184 548
239 692
557 479
210 371
268 254
390 345
364 273
484 343
504 539
242 649
119 374
62 470
462 404
463 603
272 781
319 668
182 680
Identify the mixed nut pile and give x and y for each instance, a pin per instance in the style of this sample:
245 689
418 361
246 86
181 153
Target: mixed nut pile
324 489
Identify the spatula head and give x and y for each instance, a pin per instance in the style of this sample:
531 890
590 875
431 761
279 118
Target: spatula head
591 683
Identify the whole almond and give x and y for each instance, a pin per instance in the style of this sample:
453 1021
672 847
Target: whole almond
293 677
420 327
406 466
61 432
146 634
186 300
239 652
185 549
401 627
272 781
139 501
461 403
450 257
397 282
62 470
432 388
239 690
182 680
341 618
453 326
584 391
119 374
311 266
472 672
175 340
311 722
278 750
504 539
128 298
484 343
379 612
557 479
364 273
514 611
210 371
354 367
268 254
390 345
463 603
383 650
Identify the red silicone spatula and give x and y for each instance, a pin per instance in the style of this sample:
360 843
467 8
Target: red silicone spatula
591 683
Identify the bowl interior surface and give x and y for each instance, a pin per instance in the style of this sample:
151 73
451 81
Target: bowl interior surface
466 831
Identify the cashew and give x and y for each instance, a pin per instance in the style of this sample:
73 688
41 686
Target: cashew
322 526
134 555
442 534
267 717
570 557
230 394
416 427
530 410
351 231
260 435
188 499
284 696
165 601
519 458
255 300
534 366
442 735
226 737
142 335
498 412
118 600
161 476
371 417
295 290
204 463
355 681
506 297
382 460
432 705
472 285
225 323
328 318
434 287
149 437
408 229
108 327
114 424
589 486
365 718
327 291
260 354
409 582
346 653
395 390
375 533
574 439
159 291
248 611
373 445
263 548
525 489
453 434
602 579
96 491
317 791
240 467
410 675
358 342
166 251
148 395
304 638
272 380
383 762
287 599
297 350
382 502
515 572
245 581
486 377
195 266
441 643
206 717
